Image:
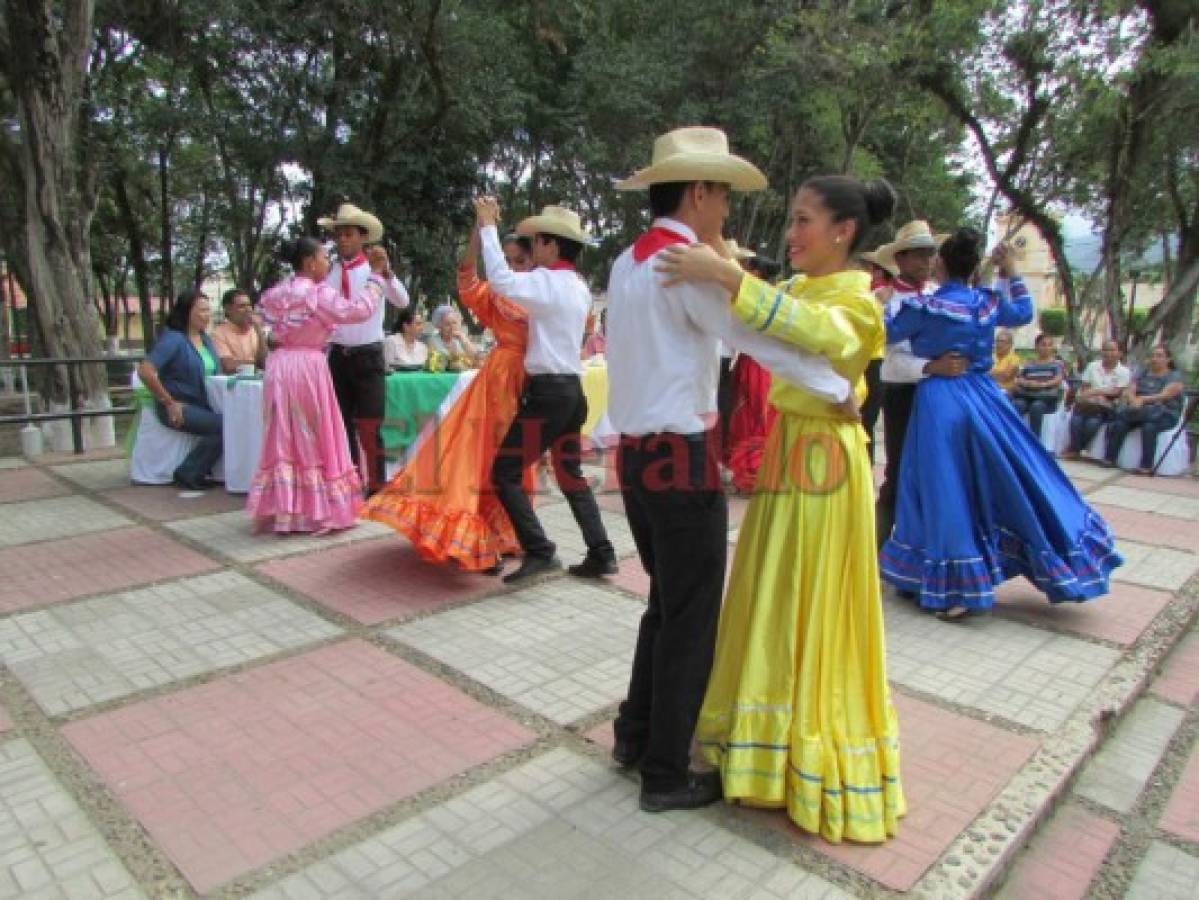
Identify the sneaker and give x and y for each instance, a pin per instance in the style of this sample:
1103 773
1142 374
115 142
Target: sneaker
593 566
701 789
533 566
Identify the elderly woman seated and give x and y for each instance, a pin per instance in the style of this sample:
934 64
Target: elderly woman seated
1007 363
174 372
1153 404
451 341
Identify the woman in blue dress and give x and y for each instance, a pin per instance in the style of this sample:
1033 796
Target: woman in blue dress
980 500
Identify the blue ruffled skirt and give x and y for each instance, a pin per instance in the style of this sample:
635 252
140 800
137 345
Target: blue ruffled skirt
981 501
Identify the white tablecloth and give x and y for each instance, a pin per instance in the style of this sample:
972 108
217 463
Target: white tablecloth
240 402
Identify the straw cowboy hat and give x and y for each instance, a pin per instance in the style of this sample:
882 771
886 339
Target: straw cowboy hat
695 154
555 220
912 236
737 251
871 256
349 214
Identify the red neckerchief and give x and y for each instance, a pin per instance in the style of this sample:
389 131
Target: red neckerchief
562 265
903 286
359 260
880 281
657 238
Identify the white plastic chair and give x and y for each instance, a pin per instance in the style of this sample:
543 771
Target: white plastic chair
1173 456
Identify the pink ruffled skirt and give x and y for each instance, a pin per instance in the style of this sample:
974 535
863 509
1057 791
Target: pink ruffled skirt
305 479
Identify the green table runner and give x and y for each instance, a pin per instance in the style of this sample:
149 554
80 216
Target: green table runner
412 398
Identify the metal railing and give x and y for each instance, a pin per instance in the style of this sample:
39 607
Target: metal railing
75 414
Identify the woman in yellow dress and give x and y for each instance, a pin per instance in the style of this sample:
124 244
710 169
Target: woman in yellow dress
798 713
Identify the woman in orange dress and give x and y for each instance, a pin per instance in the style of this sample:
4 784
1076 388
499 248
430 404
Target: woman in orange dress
442 500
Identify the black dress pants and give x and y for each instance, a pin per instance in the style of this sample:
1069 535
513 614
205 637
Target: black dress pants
359 380
679 520
552 412
874 402
898 400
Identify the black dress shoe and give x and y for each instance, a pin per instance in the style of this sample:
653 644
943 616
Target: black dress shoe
627 754
904 594
594 566
532 566
700 790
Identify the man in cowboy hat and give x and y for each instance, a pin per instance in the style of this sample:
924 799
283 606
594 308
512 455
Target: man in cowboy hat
553 408
910 257
356 360
663 364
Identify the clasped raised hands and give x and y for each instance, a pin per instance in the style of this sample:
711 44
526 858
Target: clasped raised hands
487 212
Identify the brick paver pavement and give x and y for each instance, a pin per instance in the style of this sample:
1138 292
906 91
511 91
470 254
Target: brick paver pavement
330 717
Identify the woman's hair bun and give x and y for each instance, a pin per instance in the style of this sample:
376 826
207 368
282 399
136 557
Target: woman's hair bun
294 252
962 251
880 199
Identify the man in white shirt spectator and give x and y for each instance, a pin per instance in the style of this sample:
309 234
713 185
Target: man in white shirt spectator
356 360
663 369
1103 381
553 407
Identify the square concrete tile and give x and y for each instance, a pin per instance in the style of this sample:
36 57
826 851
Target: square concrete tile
53 571
562 648
73 656
50 848
1166 873
58 517
374 581
1150 528
230 535
5 721
100 475
29 484
1178 506
560 525
1179 680
165 503
1155 567
1181 815
13 462
1119 617
1025 674
1118 773
1063 858
1182 486
632 577
230 775
560 826
946 788
1083 471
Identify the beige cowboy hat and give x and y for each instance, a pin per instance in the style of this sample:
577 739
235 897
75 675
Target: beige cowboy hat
871 256
695 154
737 251
915 235
556 220
349 214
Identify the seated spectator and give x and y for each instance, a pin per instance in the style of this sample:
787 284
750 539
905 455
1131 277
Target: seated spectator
404 350
1153 404
450 340
1006 366
239 340
1103 383
174 372
594 343
1039 384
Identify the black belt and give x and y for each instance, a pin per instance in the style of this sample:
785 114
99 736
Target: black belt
693 437
552 379
343 350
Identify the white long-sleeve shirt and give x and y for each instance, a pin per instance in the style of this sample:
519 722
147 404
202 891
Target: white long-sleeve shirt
664 350
557 301
370 331
900 364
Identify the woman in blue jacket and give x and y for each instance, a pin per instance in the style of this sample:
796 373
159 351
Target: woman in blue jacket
980 500
174 372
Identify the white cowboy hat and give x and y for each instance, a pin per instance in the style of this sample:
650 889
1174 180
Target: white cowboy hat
349 214
871 256
556 220
915 235
695 154
737 251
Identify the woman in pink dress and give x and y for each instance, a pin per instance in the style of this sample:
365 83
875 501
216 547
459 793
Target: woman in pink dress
305 479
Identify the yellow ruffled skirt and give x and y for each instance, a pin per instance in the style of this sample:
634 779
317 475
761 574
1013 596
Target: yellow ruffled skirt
798 713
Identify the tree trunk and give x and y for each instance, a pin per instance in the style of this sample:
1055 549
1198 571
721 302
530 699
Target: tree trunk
46 62
137 256
166 225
